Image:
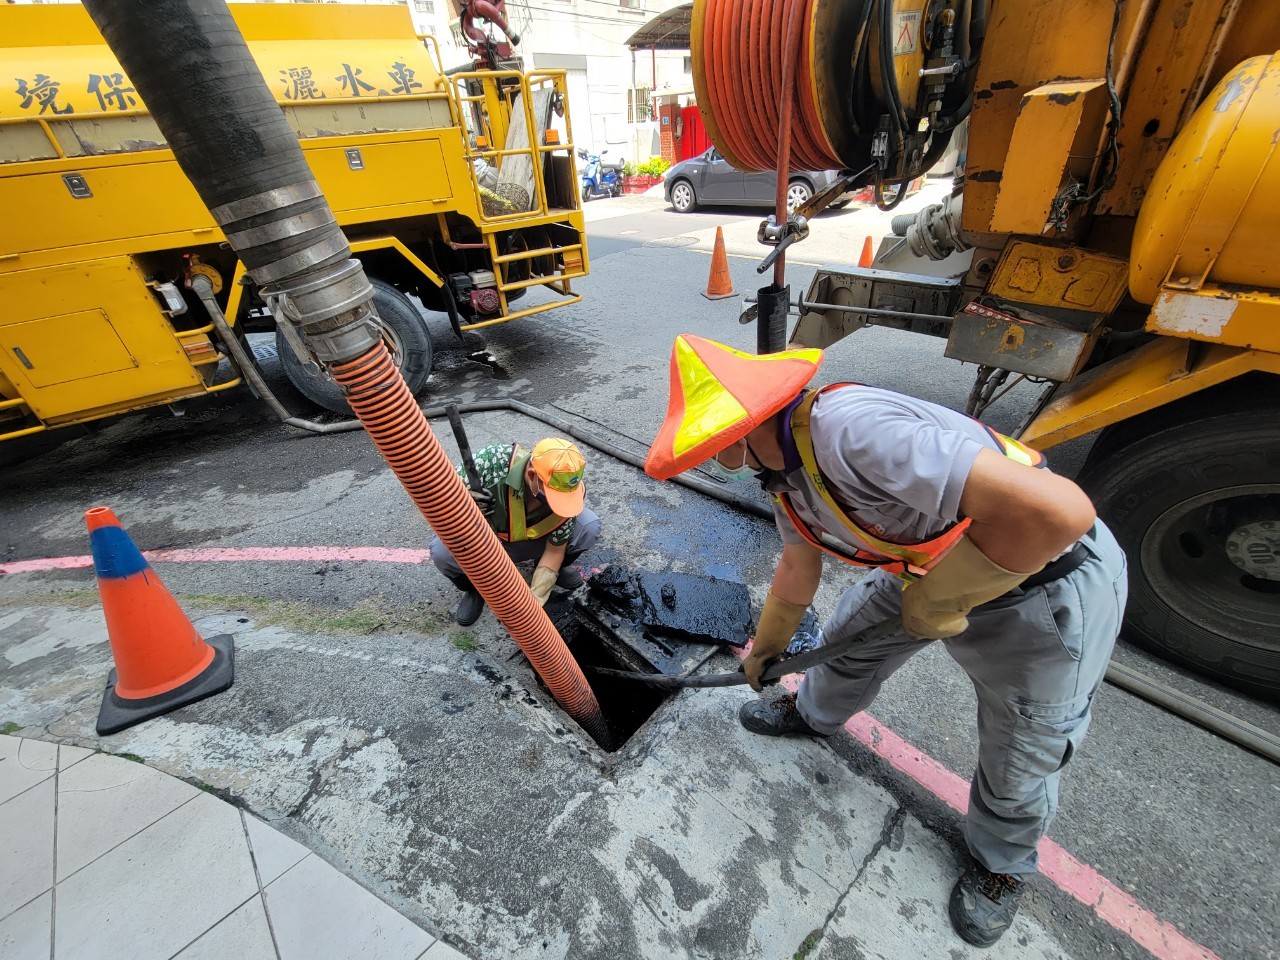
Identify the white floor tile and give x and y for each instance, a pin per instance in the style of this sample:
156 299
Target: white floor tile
242 936
104 800
23 764
26 847
160 890
442 951
318 913
69 755
274 852
24 934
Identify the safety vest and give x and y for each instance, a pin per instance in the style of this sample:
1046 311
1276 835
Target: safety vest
513 527
908 561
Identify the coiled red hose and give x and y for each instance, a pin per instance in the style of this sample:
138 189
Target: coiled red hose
381 399
746 55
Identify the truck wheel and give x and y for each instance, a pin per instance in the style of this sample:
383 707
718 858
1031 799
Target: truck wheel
1196 506
407 338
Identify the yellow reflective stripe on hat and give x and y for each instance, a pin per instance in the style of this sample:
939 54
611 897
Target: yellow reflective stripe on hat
709 408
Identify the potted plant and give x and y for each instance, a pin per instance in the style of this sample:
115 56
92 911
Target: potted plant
639 178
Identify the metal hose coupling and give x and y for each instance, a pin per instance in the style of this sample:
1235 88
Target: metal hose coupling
934 232
292 246
333 310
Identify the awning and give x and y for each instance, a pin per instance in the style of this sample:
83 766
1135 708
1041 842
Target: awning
667 31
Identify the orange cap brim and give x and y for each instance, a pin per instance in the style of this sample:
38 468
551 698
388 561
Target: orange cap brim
565 504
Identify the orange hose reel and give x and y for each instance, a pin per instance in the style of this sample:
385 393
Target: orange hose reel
738 56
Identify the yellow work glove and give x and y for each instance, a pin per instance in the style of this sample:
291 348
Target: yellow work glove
778 623
544 578
937 605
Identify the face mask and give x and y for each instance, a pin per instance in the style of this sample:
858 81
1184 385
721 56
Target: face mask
741 472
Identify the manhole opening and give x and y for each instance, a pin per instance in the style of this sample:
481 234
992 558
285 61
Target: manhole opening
625 704
658 623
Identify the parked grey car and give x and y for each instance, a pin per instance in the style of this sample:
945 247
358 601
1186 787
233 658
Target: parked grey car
708 179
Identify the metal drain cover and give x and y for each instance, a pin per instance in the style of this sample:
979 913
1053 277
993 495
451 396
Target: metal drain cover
672 242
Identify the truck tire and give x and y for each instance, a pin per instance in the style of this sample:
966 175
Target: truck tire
1195 503
405 332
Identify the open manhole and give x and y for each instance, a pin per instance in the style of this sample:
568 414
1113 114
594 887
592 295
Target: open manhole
647 623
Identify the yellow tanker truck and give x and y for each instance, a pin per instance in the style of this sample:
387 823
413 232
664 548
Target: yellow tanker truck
1112 235
458 189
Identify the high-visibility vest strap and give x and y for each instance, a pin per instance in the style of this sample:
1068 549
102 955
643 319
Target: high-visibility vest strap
518 529
907 560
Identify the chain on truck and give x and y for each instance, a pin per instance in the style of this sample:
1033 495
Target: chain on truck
458 189
1111 234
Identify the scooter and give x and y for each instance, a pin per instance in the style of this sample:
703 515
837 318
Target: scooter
599 178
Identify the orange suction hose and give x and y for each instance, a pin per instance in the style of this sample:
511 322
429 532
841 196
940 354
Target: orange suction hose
750 59
378 395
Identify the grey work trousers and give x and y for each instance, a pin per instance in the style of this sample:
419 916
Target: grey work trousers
586 531
1036 658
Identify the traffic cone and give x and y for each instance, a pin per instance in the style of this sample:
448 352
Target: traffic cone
719 286
161 662
866 259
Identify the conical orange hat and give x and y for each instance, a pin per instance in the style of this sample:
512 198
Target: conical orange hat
719 395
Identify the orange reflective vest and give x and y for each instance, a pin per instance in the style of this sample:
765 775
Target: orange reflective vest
909 561
513 527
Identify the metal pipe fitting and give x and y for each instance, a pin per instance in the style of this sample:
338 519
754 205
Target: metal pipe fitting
934 232
332 308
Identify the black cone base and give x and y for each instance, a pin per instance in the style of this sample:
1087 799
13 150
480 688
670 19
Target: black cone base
117 713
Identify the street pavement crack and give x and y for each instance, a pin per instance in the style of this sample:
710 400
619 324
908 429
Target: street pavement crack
892 823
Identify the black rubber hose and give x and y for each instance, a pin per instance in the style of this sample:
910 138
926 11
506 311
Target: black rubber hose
772 305
559 424
228 134
1202 714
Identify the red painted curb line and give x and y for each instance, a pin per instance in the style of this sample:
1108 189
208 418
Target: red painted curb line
1161 938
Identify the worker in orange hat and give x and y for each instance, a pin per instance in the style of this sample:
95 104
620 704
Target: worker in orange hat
535 502
970 541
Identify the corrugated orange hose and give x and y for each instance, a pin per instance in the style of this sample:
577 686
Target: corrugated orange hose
378 395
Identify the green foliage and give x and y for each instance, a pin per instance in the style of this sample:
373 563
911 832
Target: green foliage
466 642
806 948
653 167
9 728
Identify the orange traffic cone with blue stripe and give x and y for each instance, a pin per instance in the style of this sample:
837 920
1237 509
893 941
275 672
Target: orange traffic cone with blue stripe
162 663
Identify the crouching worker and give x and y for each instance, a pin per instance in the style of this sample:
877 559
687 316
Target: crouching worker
972 542
534 500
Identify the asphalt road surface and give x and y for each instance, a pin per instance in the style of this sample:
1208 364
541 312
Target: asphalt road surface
1180 819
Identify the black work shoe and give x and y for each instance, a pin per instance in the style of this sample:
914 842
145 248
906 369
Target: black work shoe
983 904
775 718
469 608
569 578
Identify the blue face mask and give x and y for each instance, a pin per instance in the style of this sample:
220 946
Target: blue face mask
741 472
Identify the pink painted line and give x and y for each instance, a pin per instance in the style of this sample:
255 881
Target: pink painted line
237 555
1113 905
49 563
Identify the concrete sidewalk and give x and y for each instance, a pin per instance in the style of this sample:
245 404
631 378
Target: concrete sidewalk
104 857
696 840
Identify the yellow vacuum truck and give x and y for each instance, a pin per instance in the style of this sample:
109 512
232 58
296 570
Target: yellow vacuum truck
460 190
1111 235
